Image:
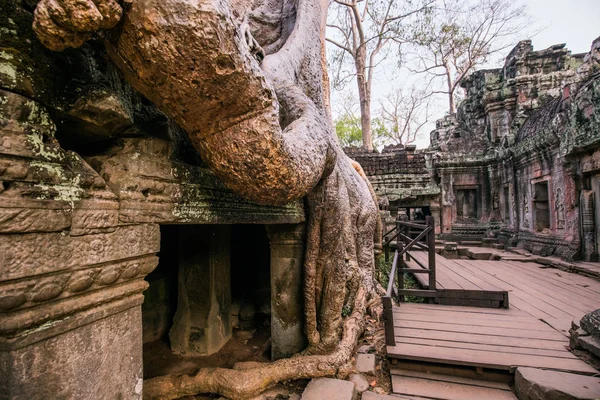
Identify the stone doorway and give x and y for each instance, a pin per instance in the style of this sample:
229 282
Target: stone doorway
466 203
209 301
541 206
187 313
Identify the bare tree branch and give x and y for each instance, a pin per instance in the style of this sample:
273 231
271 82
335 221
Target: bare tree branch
462 35
364 31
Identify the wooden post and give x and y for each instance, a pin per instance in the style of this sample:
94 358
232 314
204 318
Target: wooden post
407 241
400 273
388 320
431 249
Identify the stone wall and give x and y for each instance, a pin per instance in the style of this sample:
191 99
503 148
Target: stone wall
520 141
519 161
88 170
398 174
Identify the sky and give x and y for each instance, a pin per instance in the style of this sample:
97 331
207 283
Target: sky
574 22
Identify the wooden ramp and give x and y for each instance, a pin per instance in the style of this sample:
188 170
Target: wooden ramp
445 387
502 339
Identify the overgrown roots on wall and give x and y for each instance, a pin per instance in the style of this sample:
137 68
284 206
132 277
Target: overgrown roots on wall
339 269
263 130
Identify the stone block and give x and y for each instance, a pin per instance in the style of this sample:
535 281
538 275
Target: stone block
287 311
538 384
97 361
591 344
365 363
576 324
366 348
591 323
247 312
450 246
330 389
202 322
360 382
376 396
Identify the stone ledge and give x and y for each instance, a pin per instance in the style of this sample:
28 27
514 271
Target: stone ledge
537 384
64 325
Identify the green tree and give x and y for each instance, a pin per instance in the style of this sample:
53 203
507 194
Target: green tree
348 130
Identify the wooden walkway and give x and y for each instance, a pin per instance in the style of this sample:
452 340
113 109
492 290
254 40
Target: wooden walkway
532 332
501 339
550 295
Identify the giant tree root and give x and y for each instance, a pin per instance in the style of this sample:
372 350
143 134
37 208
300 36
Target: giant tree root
263 130
242 384
338 269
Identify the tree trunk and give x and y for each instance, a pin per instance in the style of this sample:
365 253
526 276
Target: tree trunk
364 97
263 130
451 104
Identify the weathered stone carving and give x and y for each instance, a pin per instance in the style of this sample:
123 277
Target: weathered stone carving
560 209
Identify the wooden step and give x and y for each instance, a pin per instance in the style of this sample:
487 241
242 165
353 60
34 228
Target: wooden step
485 359
447 387
481 374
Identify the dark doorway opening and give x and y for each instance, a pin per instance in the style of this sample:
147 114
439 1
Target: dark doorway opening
242 250
250 276
466 203
541 206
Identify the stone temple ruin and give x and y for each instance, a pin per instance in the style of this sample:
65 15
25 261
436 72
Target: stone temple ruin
117 243
517 165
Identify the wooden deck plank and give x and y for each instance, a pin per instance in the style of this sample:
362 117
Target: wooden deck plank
449 378
530 333
481 339
529 287
444 308
523 323
526 301
549 334
409 386
533 272
557 290
544 277
486 359
445 269
484 284
500 313
452 314
488 347
423 279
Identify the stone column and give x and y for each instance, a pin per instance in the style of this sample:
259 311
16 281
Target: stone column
202 322
436 213
287 305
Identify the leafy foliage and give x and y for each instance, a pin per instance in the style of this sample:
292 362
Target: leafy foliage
383 276
348 130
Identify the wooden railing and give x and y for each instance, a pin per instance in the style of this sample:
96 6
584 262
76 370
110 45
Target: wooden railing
424 240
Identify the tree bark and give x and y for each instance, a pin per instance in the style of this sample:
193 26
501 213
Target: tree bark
263 129
364 97
451 104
